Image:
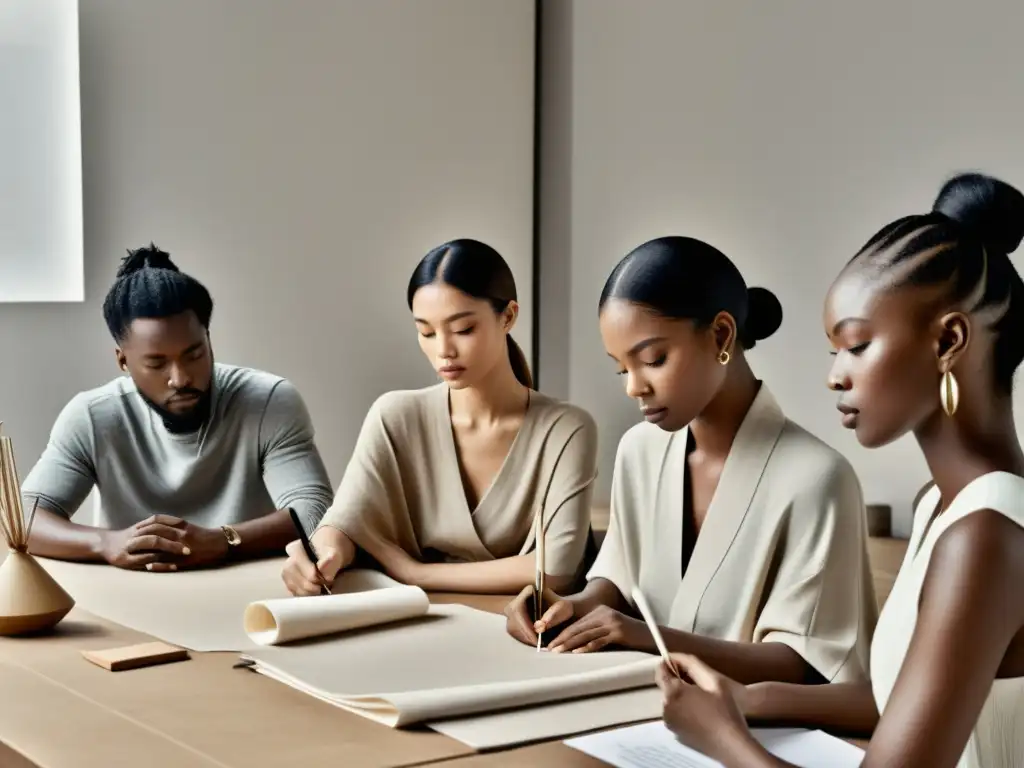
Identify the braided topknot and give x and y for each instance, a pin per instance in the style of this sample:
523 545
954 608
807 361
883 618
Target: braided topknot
963 245
149 285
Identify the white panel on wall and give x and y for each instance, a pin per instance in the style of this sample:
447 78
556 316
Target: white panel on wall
41 256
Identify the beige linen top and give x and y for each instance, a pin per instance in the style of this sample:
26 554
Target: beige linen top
781 555
404 484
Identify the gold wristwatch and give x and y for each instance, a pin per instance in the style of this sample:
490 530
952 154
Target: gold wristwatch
231 535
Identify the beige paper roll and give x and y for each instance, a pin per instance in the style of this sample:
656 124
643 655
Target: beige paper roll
284 620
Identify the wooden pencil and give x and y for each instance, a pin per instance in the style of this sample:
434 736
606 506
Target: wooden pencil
539 583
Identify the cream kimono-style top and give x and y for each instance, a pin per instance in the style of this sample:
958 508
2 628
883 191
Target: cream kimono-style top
404 484
782 552
997 739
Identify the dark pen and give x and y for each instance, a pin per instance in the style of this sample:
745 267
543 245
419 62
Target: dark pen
310 552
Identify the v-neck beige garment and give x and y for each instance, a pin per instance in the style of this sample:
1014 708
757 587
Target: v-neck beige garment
781 555
997 739
403 483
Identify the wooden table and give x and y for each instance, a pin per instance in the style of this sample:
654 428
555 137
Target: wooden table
205 714
202 713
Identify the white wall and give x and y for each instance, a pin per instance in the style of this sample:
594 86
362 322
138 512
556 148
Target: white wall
554 220
299 158
785 134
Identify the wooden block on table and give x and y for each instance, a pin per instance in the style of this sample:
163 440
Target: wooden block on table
135 656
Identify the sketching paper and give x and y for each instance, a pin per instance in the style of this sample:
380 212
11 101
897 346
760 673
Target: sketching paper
285 619
452 668
552 721
652 745
453 662
201 610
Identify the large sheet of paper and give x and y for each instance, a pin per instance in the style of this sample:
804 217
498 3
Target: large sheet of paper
454 662
508 728
204 610
652 745
452 668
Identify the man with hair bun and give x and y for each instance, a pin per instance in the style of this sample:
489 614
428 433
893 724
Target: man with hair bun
197 462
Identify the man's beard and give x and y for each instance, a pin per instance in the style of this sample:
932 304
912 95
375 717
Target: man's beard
184 423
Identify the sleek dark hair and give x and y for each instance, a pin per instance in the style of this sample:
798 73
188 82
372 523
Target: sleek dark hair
687 279
477 270
149 285
964 244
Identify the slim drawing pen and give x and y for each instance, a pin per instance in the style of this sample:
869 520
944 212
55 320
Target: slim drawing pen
308 547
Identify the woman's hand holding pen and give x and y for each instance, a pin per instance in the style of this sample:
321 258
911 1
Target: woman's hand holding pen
599 628
300 575
705 709
519 614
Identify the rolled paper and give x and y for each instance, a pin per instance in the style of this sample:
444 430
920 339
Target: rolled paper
286 619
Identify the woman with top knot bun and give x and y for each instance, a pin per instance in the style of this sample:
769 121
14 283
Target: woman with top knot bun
927 326
744 532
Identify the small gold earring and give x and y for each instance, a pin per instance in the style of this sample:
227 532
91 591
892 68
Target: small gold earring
724 357
949 393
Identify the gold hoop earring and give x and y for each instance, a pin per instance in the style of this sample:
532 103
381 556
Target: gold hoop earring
724 357
949 393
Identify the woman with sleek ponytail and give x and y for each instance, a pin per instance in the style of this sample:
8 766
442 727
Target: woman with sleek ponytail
447 483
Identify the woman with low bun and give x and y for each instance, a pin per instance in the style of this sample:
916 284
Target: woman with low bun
447 484
745 533
927 327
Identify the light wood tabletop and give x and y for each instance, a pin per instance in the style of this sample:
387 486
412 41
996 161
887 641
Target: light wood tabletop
206 714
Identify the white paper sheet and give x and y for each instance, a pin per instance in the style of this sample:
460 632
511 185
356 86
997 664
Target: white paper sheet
652 745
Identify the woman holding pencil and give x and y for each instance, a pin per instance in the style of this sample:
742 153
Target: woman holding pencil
745 533
448 486
926 323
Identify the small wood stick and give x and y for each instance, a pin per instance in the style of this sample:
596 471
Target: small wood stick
539 586
31 517
11 493
12 512
7 532
10 532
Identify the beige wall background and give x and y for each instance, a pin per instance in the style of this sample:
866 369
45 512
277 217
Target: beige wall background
784 133
299 158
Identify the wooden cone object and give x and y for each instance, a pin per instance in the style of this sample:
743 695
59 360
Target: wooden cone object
30 599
